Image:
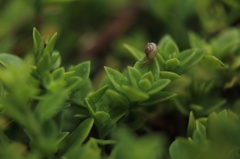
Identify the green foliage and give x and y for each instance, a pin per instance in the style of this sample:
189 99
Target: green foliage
59 112
217 137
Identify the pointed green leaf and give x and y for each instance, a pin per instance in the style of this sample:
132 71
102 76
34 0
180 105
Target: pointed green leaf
200 133
50 45
38 42
96 96
44 64
56 60
93 98
117 113
158 86
150 66
77 137
185 56
116 78
134 94
89 150
137 54
61 137
181 148
158 98
101 118
8 60
134 76
171 64
58 73
188 63
191 125
161 61
170 49
169 75
213 62
74 82
164 42
116 98
145 84
82 69
148 76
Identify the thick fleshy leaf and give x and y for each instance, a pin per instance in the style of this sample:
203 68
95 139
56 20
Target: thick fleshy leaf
158 86
225 43
173 63
77 137
213 62
116 78
38 43
185 56
101 118
117 113
58 73
169 75
73 82
116 98
93 98
96 96
137 54
164 42
158 98
161 61
134 94
192 58
61 137
191 124
8 60
89 150
149 76
44 64
167 47
150 66
56 60
200 133
170 49
50 45
182 148
82 69
145 84
134 76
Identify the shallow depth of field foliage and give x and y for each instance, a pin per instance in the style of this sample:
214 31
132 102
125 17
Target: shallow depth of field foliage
73 86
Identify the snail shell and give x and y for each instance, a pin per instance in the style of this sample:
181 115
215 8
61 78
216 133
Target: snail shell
150 50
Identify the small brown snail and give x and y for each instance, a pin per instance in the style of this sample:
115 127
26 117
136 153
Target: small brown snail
150 51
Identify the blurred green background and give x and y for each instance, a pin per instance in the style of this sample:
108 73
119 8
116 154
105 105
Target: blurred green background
96 30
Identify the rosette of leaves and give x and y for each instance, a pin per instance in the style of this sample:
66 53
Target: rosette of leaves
171 62
128 92
212 137
176 65
203 89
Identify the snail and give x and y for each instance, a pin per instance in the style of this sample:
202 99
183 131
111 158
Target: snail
150 51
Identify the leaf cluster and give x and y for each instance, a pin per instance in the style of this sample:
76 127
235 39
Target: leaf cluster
60 115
